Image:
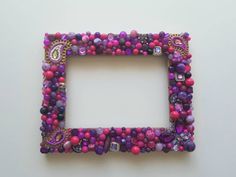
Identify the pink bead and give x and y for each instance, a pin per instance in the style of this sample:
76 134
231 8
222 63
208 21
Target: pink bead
103 36
49 121
87 135
47 90
138 129
133 33
118 131
174 115
61 79
155 36
92 47
58 35
189 82
84 149
135 150
43 118
109 44
145 53
140 144
115 43
151 45
102 137
106 131
151 144
187 68
181 148
128 43
91 37
127 131
74 140
139 45
74 41
135 51
48 75
55 122
85 38
118 52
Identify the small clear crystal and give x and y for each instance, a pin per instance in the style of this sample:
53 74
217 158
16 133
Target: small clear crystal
157 51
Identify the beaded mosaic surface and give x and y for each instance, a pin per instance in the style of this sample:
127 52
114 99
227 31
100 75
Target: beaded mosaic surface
60 47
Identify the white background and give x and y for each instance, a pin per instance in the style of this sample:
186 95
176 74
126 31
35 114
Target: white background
118 91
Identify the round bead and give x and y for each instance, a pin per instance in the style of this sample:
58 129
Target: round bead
190 119
135 150
189 146
174 115
133 33
74 140
67 145
189 82
48 75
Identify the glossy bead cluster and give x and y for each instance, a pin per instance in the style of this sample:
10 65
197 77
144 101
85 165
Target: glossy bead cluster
59 47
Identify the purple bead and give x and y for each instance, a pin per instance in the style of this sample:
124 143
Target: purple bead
182 95
46 42
190 119
166 137
123 34
179 127
180 68
99 150
61 68
189 146
171 76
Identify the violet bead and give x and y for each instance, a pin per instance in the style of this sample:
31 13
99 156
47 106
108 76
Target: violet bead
180 68
190 119
189 146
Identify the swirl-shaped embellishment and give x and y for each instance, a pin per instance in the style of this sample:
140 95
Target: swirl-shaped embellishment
57 52
179 43
57 138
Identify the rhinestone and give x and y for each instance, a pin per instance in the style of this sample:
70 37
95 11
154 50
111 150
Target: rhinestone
179 77
176 147
82 51
114 147
110 36
157 51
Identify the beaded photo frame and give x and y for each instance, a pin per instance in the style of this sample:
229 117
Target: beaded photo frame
60 47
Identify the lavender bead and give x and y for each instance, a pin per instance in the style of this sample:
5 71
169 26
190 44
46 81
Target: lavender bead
190 119
159 146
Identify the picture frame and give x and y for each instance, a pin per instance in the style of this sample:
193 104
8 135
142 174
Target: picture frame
59 47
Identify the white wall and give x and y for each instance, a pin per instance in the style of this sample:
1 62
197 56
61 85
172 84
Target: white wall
212 27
